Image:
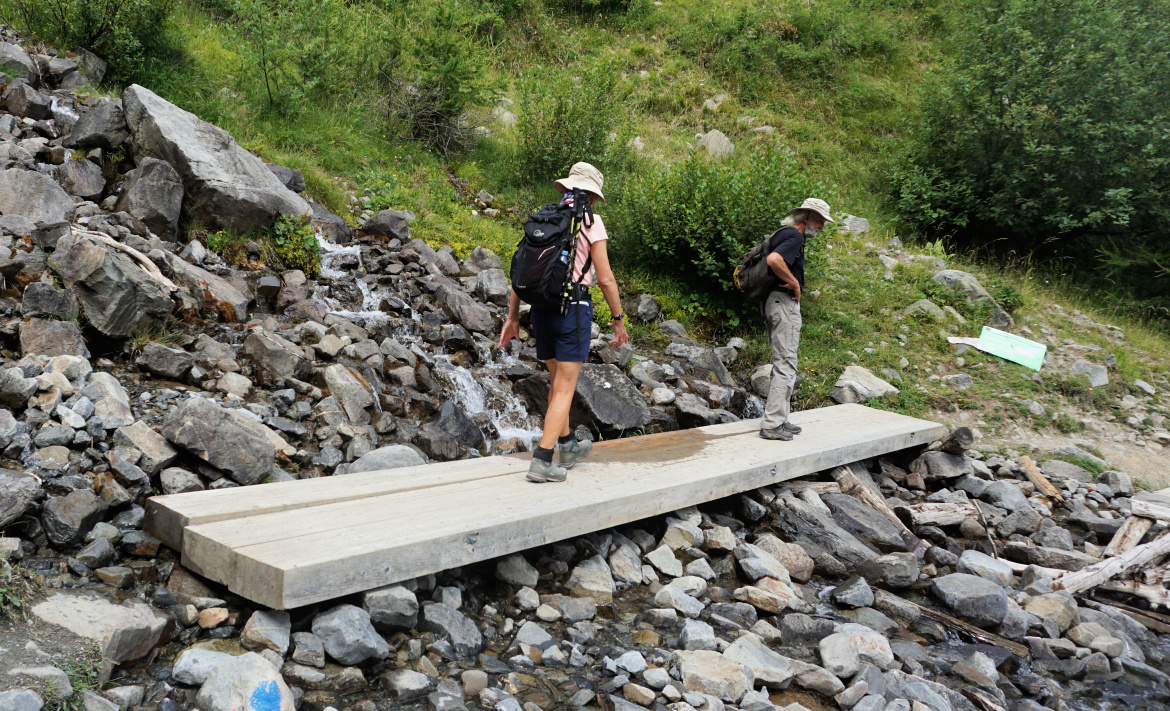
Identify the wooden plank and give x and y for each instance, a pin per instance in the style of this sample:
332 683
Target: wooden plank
935 514
1149 509
1038 479
1129 535
301 556
168 516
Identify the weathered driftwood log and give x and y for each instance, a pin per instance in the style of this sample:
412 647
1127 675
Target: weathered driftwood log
1155 594
940 514
1129 535
1039 480
820 487
1148 509
1093 575
958 441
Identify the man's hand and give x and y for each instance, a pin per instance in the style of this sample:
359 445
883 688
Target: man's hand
510 332
795 286
620 335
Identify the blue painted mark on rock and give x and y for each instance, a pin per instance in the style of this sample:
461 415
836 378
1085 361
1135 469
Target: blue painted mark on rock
266 697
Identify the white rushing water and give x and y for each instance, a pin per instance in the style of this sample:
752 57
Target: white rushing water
482 388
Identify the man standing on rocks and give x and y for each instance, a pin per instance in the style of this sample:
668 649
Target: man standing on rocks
561 341
782 312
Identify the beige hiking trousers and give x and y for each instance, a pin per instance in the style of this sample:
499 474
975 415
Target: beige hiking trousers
782 319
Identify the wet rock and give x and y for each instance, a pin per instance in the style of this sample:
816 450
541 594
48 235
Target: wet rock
349 636
768 667
592 578
979 601
117 295
247 683
388 223
68 518
153 193
858 384
216 436
456 628
392 607
455 423
52 338
605 397
267 629
706 672
389 457
169 363
101 127
194 664
123 632
226 186
276 359
464 310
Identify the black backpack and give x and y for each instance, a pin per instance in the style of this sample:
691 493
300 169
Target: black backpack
541 266
753 276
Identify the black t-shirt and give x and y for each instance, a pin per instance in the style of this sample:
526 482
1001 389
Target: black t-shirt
789 244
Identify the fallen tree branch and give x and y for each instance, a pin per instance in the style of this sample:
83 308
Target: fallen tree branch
935 514
1129 535
1039 480
1154 594
143 261
1149 509
1094 575
972 631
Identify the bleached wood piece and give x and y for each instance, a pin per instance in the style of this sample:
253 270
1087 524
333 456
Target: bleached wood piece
1129 535
1158 512
1019 568
1093 575
1038 479
935 514
298 557
820 487
1155 594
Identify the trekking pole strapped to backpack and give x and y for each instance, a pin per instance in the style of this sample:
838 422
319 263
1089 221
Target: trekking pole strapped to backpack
542 267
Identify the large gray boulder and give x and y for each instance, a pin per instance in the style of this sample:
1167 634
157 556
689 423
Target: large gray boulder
276 359
605 398
977 600
101 127
221 438
17 492
968 287
23 100
702 359
858 384
349 636
16 63
468 312
68 518
36 196
52 338
153 192
82 178
226 186
117 294
123 632
867 524
388 223
391 456
351 391
215 297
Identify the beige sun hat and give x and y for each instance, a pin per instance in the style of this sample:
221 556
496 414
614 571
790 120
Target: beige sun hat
816 205
583 176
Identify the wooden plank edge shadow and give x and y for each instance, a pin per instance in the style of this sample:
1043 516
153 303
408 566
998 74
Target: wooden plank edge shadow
369 556
168 516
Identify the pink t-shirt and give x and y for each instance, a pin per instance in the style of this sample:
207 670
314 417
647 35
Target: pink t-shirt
589 236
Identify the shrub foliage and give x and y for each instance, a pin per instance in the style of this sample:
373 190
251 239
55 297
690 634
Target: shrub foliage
696 219
1048 133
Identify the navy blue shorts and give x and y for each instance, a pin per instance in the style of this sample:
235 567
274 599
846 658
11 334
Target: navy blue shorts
558 337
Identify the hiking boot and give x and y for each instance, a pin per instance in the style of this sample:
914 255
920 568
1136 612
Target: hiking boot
777 433
794 429
541 471
572 451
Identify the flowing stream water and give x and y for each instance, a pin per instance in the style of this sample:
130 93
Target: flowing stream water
479 388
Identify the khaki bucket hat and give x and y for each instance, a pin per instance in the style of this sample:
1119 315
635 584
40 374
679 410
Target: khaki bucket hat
583 176
816 205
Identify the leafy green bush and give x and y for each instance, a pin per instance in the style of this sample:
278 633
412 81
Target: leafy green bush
123 32
565 118
1047 133
289 243
696 219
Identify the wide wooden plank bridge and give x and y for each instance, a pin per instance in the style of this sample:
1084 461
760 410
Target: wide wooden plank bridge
296 543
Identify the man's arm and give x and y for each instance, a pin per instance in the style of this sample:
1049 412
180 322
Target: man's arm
780 268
